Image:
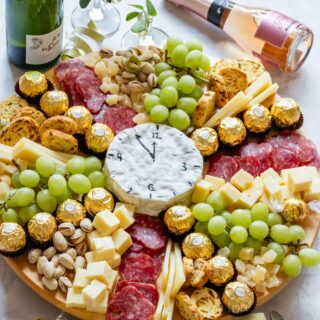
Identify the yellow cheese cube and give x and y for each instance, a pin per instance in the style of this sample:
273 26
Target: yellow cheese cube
100 307
80 279
216 182
104 248
112 277
287 193
272 186
257 183
271 173
313 171
285 175
115 261
201 191
300 179
98 271
125 217
248 198
94 292
122 241
314 192
242 180
230 193
91 236
75 299
89 257
106 222
130 207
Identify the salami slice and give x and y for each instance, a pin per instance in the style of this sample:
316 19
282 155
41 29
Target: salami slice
259 150
315 162
148 290
130 304
283 159
266 163
308 149
223 167
251 165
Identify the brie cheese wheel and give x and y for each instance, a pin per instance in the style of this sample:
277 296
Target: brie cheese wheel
153 166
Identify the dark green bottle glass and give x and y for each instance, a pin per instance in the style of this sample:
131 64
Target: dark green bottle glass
34 32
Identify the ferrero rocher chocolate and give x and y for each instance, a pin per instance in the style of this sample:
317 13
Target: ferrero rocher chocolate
197 245
13 238
238 298
82 116
286 113
53 103
179 220
98 137
70 211
232 131
98 199
221 270
41 227
257 119
295 210
205 140
33 84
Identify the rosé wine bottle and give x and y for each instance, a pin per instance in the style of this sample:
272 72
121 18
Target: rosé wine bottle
272 37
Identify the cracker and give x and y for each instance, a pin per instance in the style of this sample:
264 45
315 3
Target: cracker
30 112
218 85
252 69
223 63
188 269
61 123
187 307
204 109
200 274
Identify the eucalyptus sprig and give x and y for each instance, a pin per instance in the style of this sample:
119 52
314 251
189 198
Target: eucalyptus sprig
84 3
143 15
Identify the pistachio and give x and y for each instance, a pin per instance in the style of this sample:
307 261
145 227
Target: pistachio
34 255
72 253
48 269
124 89
50 284
155 50
146 87
128 76
156 58
135 86
131 67
135 52
80 262
86 225
64 283
138 107
147 68
60 242
49 252
59 271
55 260
119 79
141 76
66 228
66 261
41 261
136 97
78 237
81 248
125 100
146 56
123 53
152 80
106 53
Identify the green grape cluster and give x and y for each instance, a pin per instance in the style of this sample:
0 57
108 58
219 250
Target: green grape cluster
43 189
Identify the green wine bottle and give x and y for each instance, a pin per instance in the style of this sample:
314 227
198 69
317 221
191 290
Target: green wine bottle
34 32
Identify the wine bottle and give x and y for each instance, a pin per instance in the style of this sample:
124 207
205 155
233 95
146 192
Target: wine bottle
271 36
34 32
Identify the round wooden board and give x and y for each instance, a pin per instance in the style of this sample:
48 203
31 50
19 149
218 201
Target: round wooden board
29 275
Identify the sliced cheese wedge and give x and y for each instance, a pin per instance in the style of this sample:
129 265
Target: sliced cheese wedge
234 106
165 267
262 83
171 309
158 313
179 276
264 95
5 154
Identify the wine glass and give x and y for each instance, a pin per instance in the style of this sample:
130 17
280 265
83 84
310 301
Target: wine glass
152 36
104 15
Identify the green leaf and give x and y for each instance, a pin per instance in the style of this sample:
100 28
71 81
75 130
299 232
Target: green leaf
151 9
139 26
137 6
132 15
84 3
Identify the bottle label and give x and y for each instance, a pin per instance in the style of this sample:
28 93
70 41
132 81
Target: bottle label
43 48
216 10
275 28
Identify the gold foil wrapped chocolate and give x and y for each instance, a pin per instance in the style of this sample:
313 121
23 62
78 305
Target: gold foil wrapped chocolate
33 84
12 238
232 131
41 227
82 116
295 210
98 137
238 298
54 103
70 211
98 199
197 245
286 113
221 270
257 119
205 140
179 220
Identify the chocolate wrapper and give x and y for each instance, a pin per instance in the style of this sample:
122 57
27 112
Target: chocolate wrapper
54 103
221 270
257 119
98 137
82 116
295 210
70 211
285 113
206 140
197 245
98 199
232 131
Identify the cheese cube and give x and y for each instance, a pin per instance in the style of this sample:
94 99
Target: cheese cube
106 222
271 173
130 207
89 257
286 193
248 198
75 299
201 191
91 236
242 180
125 217
314 192
272 186
80 280
94 292
257 183
100 307
98 271
122 241
285 175
216 182
230 193
313 171
300 179
115 261
104 248
112 277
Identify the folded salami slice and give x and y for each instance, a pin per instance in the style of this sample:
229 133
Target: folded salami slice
119 117
223 167
251 165
259 150
283 159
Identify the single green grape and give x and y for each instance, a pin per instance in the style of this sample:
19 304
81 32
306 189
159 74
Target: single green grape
204 63
15 180
201 227
202 212
46 201
45 167
222 240
217 225
238 234
297 233
156 92
309 257
161 67
159 114
278 249
196 93
172 43
235 249
186 84
194 44
11 198
260 212
92 164
76 165
29 178
216 201
57 184
171 81
10 215
166 74
179 119
281 234
187 104
179 56
169 96
27 212
80 184
24 196
97 179
150 101
227 216
193 59
259 230
62 170
274 218
254 244
292 265
67 194
241 217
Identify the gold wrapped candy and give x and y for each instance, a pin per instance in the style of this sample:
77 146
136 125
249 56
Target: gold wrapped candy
238 298
179 220
82 116
232 131
98 137
70 211
257 119
286 113
197 245
98 199
221 270
33 84
12 238
41 227
295 210
205 140
54 103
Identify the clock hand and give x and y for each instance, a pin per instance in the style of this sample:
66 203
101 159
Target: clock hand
152 154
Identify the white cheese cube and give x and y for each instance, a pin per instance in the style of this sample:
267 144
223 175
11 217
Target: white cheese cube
272 186
106 222
115 261
94 292
201 191
230 193
125 217
100 307
269 256
216 182
314 192
112 277
300 179
75 299
271 173
287 193
89 257
285 175
80 279
104 248
98 271
257 183
130 207
242 180
248 198
91 236
122 241
259 274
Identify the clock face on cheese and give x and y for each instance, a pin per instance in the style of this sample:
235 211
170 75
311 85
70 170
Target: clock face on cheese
152 166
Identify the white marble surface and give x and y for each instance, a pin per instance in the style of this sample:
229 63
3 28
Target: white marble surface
300 300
